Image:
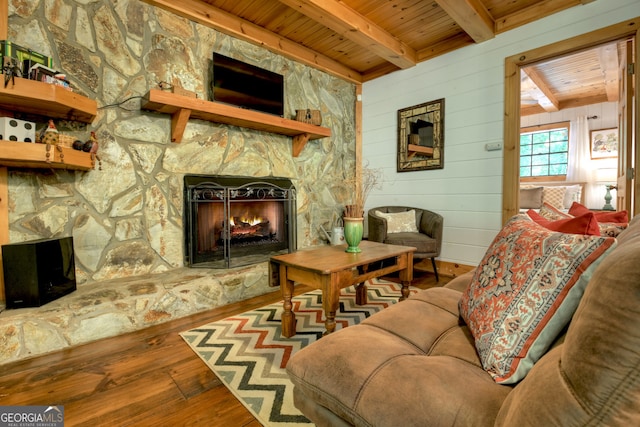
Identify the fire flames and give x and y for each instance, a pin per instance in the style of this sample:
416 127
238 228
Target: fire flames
246 221
247 226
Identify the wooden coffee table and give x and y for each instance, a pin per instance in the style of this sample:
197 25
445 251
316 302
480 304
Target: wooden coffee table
330 269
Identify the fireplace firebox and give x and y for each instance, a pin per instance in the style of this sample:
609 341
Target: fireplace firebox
235 221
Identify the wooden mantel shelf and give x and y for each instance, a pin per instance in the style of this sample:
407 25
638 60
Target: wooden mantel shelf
47 100
182 108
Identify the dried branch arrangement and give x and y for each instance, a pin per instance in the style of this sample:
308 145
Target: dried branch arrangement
371 178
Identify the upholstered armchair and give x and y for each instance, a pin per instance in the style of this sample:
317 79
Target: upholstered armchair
396 225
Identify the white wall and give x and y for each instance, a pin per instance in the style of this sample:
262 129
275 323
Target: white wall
467 192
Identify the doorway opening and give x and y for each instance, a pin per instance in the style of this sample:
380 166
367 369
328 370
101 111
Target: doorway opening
513 67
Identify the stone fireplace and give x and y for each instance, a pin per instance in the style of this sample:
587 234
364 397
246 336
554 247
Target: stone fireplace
128 219
235 221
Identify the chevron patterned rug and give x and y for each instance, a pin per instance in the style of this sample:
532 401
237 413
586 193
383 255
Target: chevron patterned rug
249 355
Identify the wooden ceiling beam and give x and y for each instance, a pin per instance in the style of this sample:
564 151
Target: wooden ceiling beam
471 16
212 17
538 89
355 27
379 71
445 46
435 50
538 10
609 62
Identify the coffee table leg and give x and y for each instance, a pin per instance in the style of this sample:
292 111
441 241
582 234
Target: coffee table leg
361 293
406 276
330 303
405 291
288 319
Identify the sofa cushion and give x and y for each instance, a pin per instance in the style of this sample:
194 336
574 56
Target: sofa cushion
411 362
525 291
399 222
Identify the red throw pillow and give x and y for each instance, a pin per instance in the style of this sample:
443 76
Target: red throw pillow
586 224
619 217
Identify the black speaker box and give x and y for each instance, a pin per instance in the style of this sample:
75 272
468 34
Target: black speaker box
38 272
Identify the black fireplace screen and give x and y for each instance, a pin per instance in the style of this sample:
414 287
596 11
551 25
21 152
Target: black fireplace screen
235 221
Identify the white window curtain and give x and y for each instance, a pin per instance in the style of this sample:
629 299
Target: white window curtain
580 167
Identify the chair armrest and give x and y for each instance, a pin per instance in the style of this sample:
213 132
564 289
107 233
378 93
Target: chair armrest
377 228
432 225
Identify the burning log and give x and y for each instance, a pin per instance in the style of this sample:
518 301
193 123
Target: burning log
241 228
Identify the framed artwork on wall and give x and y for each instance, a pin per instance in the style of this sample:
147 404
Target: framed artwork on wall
421 137
604 143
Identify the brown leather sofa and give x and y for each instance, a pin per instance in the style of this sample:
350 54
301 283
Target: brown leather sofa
415 364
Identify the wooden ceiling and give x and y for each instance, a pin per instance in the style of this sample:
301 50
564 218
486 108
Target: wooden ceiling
581 78
360 40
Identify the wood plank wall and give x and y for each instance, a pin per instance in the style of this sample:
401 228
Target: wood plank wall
468 192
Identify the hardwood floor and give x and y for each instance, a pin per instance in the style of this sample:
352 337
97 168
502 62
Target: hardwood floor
144 378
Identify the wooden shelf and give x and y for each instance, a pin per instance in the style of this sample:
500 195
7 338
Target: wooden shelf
52 102
31 155
182 108
47 100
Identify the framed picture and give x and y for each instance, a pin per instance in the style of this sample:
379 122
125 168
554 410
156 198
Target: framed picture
604 143
421 137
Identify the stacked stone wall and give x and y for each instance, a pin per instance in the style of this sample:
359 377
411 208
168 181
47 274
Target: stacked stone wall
126 219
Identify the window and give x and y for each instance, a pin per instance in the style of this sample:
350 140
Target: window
544 151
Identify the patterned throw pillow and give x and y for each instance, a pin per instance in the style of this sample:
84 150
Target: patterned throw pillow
525 291
572 193
554 196
551 213
611 229
400 222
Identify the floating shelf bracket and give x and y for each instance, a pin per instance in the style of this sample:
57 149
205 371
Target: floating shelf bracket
298 143
179 121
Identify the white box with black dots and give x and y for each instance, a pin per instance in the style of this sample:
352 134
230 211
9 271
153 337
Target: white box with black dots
17 130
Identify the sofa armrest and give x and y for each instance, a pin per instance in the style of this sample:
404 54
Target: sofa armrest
462 282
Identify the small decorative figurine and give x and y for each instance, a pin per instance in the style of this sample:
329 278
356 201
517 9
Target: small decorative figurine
91 146
50 134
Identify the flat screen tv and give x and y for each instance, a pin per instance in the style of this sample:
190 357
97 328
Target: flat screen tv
246 86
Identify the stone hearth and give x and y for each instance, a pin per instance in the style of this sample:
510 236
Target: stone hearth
123 305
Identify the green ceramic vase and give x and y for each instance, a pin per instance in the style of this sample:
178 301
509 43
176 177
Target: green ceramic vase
353 228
